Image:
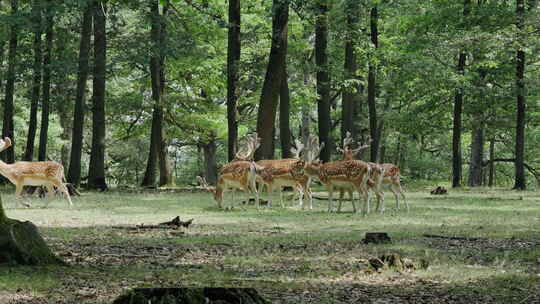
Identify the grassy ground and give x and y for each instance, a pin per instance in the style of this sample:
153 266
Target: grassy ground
290 255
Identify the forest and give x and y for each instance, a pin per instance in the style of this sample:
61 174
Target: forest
446 90
138 111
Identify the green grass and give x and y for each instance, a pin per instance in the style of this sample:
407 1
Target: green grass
285 251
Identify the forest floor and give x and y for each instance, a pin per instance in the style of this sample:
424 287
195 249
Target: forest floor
488 250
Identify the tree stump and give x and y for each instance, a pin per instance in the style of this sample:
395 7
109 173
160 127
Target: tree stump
21 243
439 190
191 296
377 238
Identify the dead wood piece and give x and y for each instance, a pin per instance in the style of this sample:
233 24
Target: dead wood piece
377 238
460 238
191 296
177 222
439 190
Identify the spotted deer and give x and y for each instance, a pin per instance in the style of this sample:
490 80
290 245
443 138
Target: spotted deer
39 173
241 173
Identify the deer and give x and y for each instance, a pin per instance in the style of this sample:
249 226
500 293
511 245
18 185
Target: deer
287 172
40 173
241 173
391 177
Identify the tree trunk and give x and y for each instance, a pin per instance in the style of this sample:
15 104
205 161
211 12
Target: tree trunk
21 243
323 79
210 165
233 61
266 115
7 125
165 173
372 89
45 101
491 181
477 152
458 109
96 170
36 81
156 135
284 116
350 95
74 173
520 183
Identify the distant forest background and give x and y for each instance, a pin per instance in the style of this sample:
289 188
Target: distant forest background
156 92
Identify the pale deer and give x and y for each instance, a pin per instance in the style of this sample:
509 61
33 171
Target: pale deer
351 175
391 177
41 173
241 174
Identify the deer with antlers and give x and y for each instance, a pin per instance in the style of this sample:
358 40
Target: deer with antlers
41 173
241 173
391 177
288 172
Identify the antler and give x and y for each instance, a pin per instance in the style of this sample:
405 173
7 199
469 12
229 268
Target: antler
252 142
346 142
313 148
4 144
299 146
362 147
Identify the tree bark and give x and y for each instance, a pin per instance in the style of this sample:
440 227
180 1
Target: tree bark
210 165
520 183
477 152
96 170
350 95
36 81
458 109
491 180
372 89
266 115
284 116
74 172
156 135
233 61
45 101
323 79
165 173
7 124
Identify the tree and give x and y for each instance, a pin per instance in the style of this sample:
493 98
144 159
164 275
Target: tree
156 135
349 99
520 183
233 61
7 123
36 82
284 115
273 80
74 172
323 78
47 70
458 109
96 170
372 88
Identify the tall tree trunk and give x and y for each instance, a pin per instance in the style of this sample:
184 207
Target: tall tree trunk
323 79
156 135
7 124
36 81
233 61
372 88
491 180
284 116
96 170
520 183
350 96
45 101
210 166
74 172
477 152
266 115
165 173
458 109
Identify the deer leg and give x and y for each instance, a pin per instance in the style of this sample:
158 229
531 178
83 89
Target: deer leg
18 195
351 196
341 193
364 192
64 189
330 194
380 200
395 191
